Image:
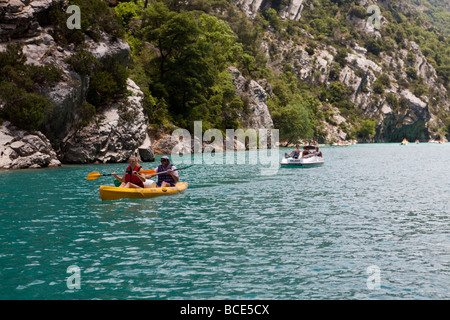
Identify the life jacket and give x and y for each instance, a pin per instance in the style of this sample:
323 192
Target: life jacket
129 177
165 176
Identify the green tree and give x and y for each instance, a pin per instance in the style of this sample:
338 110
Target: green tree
26 110
367 129
411 73
374 46
21 85
293 121
107 81
126 12
193 49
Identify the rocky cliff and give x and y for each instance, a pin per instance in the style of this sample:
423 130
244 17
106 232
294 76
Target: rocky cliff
398 111
258 115
117 131
20 18
292 10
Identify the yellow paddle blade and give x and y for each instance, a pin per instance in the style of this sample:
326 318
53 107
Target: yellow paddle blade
147 171
93 175
96 175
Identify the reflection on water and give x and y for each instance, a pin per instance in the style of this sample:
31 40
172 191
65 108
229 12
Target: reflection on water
235 234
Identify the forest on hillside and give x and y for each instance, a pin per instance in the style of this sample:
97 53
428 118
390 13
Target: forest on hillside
182 48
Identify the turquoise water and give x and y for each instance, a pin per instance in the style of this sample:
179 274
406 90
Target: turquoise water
235 234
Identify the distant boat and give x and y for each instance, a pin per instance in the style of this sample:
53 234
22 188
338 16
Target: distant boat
440 141
307 158
341 144
417 141
404 142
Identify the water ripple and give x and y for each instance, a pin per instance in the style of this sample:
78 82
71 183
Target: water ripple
300 234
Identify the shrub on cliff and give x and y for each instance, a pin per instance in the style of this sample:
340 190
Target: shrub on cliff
108 81
447 127
381 83
96 17
336 94
102 89
358 11
83 62
25 110
20 86
374 46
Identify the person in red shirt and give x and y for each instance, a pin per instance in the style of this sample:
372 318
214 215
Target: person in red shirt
130 179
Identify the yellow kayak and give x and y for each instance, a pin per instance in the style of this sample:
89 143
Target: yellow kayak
115 193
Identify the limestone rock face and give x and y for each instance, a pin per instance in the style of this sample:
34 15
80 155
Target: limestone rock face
119 132
22 149
258 116
411 122
292 10
69 94
419 114
359 73
19 18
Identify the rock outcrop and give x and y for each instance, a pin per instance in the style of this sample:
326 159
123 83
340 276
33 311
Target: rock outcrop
258 115
292 10
20 18
118 132
411 122
68 95
21 149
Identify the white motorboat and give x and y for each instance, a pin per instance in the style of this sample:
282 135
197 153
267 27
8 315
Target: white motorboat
307 158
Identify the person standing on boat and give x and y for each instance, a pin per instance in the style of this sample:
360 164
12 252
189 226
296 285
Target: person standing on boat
131 179
167 179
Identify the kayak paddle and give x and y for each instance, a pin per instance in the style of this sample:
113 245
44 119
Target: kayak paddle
96 175
156 173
